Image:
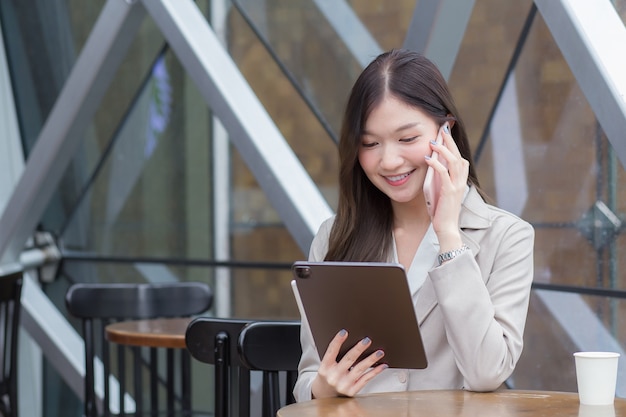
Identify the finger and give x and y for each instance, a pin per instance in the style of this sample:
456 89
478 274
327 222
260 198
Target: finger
448 140
370 374
361 372
330 357
364 379
439 164
448 161
369 362
447 153
352 356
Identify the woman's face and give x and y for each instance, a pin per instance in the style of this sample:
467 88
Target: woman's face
396 140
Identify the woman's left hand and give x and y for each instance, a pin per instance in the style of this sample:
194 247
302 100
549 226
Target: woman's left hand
453 185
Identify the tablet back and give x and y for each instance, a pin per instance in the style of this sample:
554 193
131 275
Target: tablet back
368 300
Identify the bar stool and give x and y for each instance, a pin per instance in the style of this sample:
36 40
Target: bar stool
98 305
10 307
236 347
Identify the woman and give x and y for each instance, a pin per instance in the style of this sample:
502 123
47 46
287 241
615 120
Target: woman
469 266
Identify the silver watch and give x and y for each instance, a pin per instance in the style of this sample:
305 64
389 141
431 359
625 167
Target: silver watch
446 256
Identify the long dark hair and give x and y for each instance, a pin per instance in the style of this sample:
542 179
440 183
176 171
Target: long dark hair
363 224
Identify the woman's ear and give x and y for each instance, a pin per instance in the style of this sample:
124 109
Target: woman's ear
451 122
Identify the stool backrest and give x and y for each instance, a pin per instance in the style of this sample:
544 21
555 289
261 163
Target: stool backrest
236 347
100 304
272 347
123 301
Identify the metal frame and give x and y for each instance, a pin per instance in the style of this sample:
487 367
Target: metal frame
350 29
521 41
587 33
11 155
261 33
222 183
437 29
579 29
583 326
300 204
62 133
302 207
12 162
509 168
58 140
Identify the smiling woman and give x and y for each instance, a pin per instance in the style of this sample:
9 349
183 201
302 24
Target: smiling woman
469 264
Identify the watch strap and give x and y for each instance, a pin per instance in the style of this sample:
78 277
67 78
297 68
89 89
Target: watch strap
451 254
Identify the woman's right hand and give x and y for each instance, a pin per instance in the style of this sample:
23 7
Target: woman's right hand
346 377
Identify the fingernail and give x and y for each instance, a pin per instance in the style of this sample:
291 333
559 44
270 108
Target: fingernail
379 353
385 366
366 341
342 332
427 157
446 129
433 142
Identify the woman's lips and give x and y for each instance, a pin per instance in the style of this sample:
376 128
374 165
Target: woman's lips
400 179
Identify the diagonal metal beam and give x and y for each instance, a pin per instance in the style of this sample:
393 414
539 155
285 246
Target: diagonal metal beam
437 29
584 328
275 166
11 156
587 33
350 30
62 133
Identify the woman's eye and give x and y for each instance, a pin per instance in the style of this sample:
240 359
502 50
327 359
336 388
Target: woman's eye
368 144
411 139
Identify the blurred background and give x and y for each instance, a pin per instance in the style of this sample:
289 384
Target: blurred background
189 157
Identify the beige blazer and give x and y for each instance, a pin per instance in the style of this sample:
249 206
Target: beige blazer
471 310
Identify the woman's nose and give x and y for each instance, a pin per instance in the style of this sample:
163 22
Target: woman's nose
390 158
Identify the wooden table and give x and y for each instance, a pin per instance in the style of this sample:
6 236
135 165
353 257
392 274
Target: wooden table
158 333
163 333
506 403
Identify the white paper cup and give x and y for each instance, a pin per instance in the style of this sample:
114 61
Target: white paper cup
596 375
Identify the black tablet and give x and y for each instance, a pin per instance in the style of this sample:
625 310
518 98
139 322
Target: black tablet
368 300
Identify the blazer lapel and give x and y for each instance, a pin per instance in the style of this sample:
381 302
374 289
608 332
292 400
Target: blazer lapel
425 300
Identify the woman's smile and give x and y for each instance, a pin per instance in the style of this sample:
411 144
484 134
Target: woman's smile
397 180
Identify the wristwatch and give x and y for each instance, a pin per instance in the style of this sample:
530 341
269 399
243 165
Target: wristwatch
451 254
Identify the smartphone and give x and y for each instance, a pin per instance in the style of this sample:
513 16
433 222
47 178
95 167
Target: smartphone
432 182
